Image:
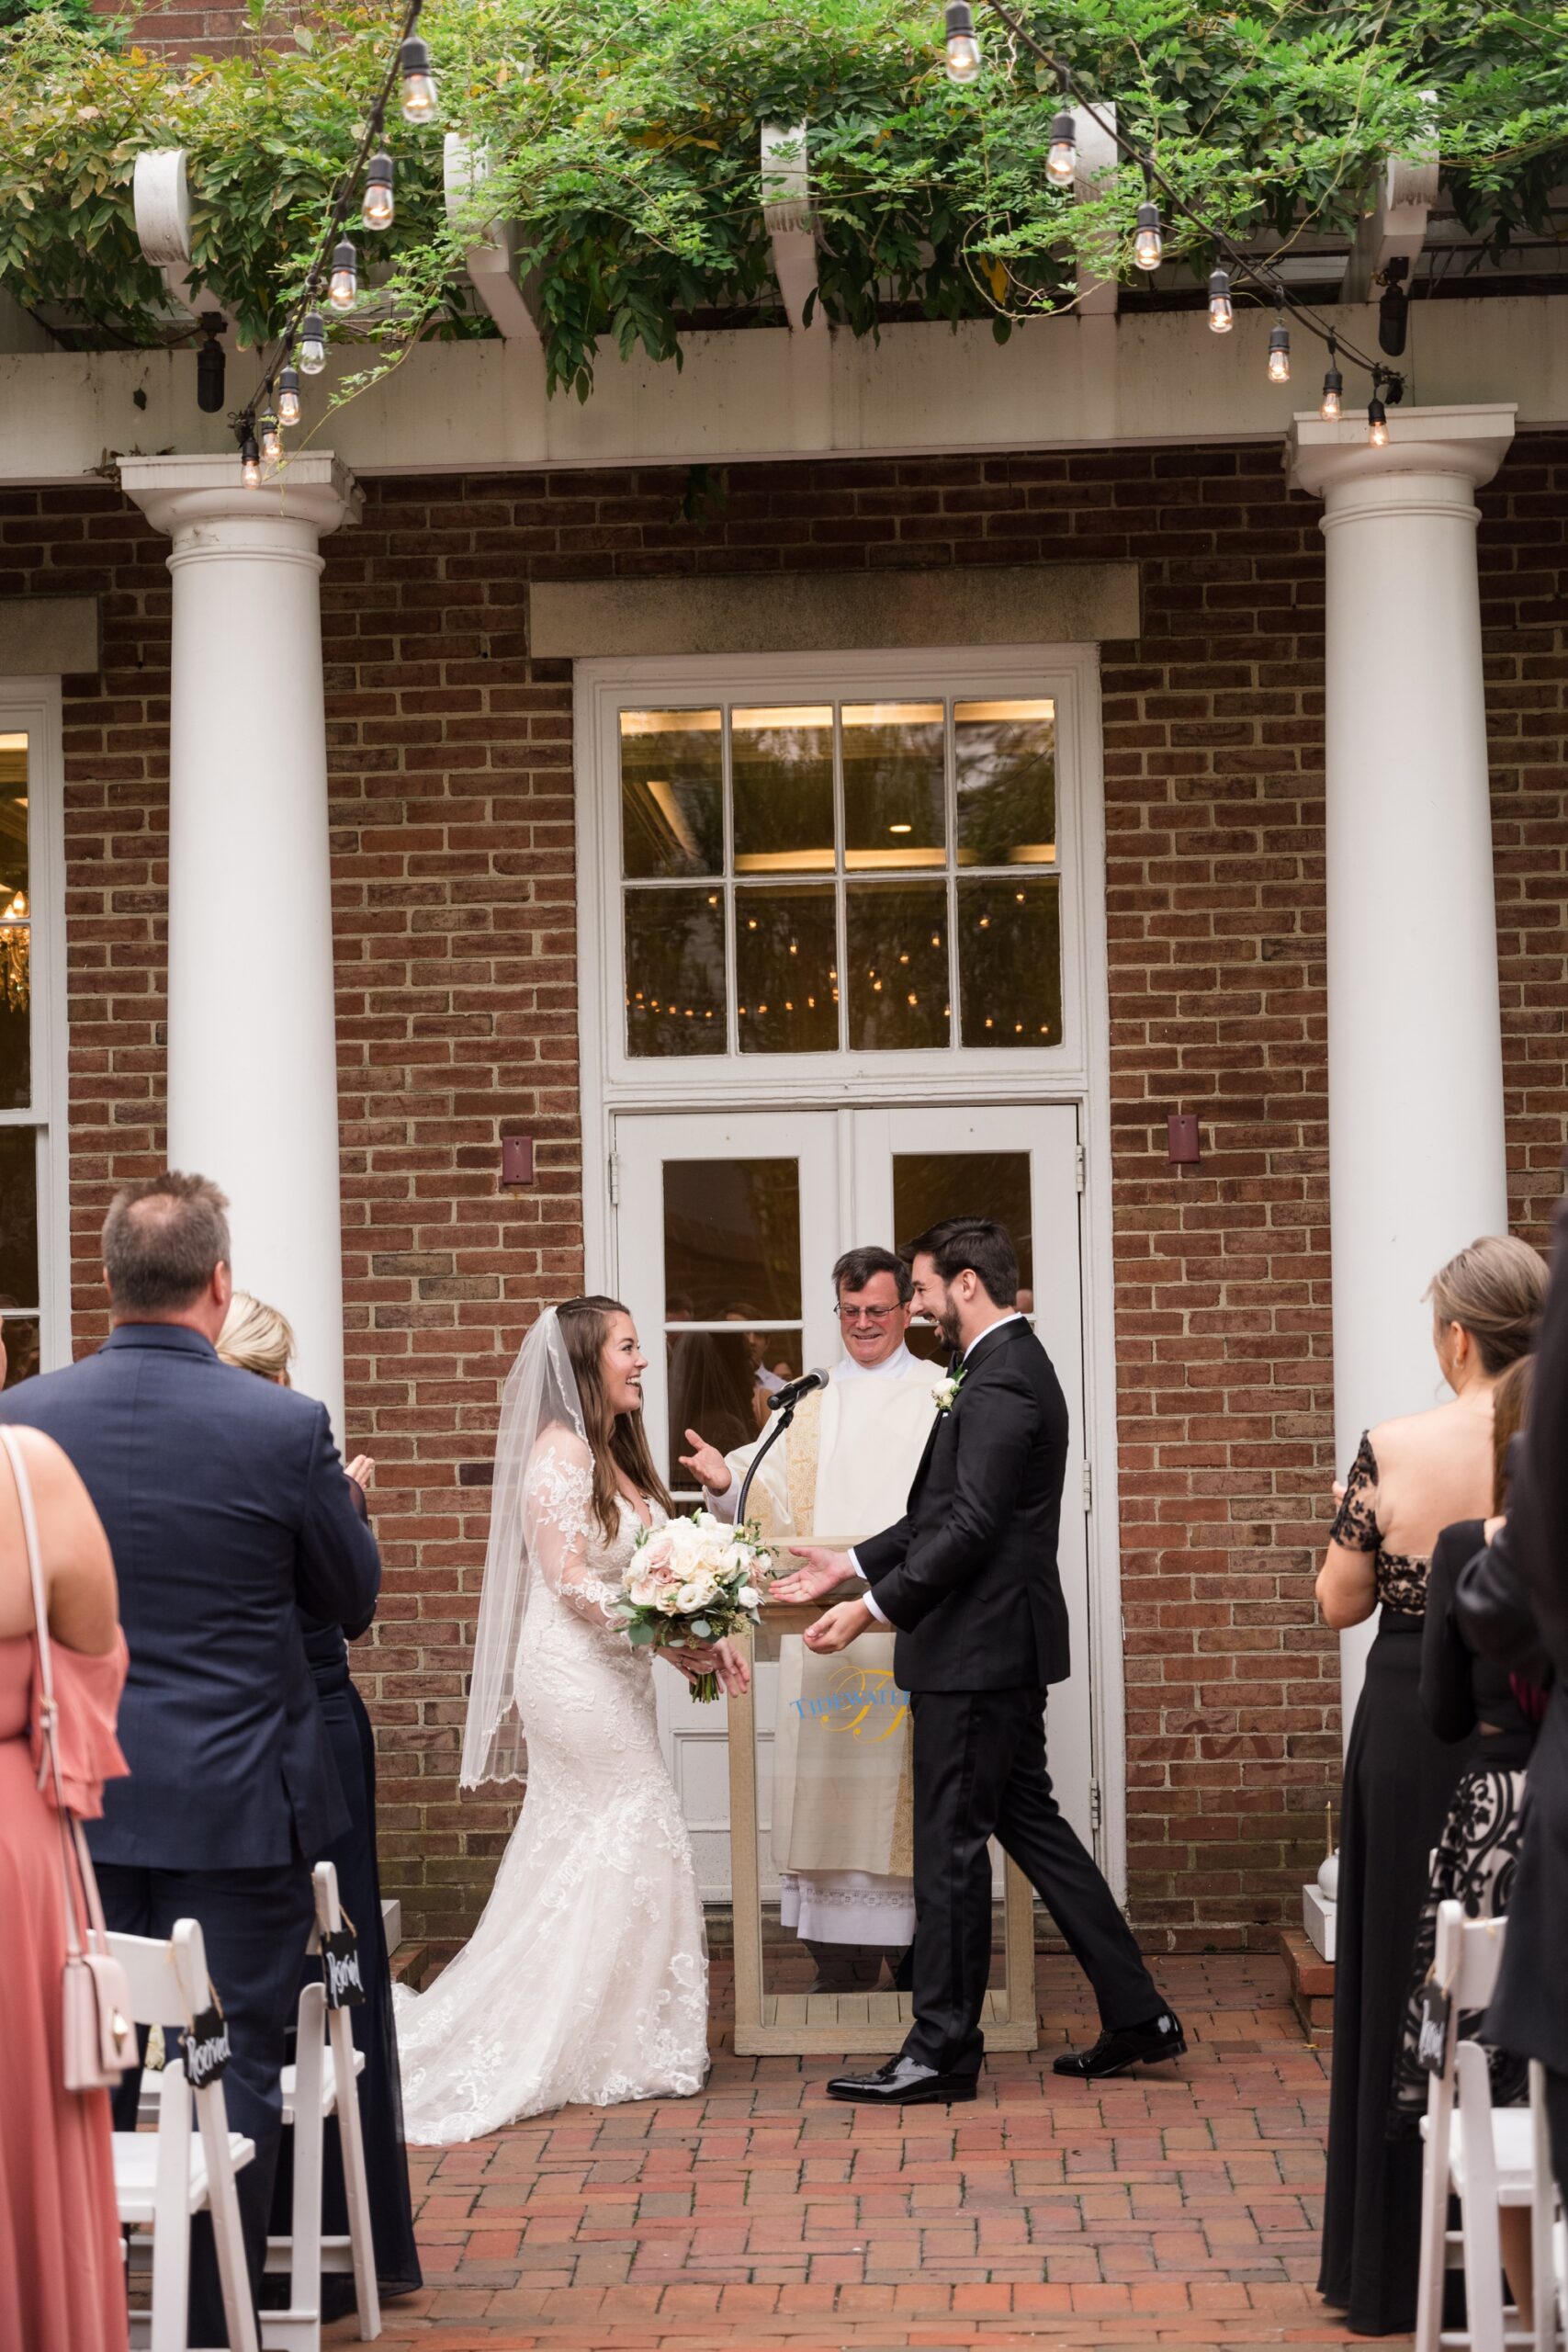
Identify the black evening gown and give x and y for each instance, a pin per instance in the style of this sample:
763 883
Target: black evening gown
1399 1783
380 2085
1464 1696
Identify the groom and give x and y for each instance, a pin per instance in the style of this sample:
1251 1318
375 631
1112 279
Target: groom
968 1580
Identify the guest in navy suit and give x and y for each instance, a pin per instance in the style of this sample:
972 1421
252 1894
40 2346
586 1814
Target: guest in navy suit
260 1340
227 1514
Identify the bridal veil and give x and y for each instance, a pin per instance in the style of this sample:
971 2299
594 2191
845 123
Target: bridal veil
540 1394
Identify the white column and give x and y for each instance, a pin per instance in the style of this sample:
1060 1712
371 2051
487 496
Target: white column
253 1054
1416 1145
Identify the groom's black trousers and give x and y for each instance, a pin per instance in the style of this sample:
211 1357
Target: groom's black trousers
979 1772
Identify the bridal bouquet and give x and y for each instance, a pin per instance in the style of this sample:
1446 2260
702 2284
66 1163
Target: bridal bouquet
694 1580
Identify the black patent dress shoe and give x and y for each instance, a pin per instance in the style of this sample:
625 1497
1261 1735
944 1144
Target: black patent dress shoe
1129 2045
903 2082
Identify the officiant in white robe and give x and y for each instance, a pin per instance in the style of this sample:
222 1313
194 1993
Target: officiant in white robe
842 1830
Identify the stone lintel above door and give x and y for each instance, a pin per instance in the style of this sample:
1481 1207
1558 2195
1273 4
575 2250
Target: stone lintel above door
1044 603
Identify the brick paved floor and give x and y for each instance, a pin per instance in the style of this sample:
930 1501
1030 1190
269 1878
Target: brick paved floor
1170 2209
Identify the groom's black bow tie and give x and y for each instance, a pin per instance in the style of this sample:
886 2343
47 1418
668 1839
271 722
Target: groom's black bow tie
955 1364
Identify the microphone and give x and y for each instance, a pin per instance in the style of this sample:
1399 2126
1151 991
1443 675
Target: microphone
794 1390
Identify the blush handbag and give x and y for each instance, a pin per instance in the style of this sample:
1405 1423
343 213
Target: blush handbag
98 2038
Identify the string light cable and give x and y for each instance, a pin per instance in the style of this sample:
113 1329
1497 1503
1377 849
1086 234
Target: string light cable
333 281
1230 260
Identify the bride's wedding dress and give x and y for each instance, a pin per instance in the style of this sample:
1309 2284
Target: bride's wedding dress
586 1980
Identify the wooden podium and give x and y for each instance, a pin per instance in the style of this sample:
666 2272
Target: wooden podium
812 2024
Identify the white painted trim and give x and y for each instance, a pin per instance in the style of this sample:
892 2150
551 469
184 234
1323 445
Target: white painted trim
1078 1072
34 704
1122 381
1097 1229
969 1074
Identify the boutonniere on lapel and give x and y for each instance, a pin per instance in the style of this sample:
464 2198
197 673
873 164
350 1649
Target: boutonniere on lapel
946 1394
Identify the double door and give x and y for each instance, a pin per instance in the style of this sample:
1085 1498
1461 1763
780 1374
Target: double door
726 1228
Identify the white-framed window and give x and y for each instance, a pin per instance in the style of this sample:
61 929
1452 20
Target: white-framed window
795 866
34 1195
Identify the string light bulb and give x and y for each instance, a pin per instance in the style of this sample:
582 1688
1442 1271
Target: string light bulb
271 440
1148 246
1377 423
379 205
1279 353
1062 155
250 462
963 46
419 100
313 343
1331 406
343 288
288 396
1221 315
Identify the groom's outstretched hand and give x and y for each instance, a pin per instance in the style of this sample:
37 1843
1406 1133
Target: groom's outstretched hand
824 1572
838 1628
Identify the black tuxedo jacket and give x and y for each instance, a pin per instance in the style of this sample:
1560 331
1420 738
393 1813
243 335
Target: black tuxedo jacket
1529 1566
968 1575
228 1513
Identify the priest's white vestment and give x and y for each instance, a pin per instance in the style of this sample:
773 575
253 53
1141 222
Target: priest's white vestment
841 1796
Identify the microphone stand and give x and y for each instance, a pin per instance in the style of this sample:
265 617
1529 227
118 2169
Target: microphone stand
782 1420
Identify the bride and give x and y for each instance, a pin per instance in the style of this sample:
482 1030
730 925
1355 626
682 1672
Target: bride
586 1980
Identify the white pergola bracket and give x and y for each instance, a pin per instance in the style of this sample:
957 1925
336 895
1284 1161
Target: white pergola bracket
786 215
492 260
160 198
1098 156
1395 228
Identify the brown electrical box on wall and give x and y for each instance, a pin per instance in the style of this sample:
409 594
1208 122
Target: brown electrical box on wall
1185 1149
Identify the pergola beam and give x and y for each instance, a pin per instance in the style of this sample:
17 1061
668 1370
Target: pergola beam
491 259
1395 228
161 200
764 394
1098 156
786 215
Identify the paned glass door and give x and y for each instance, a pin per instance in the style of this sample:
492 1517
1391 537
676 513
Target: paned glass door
721 1228
31 1284
727 1230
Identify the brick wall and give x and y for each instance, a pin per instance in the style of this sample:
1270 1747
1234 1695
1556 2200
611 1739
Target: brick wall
181 29
452 813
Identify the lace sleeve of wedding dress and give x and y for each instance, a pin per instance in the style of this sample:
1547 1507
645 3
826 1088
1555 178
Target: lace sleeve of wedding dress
540 1410
557 1511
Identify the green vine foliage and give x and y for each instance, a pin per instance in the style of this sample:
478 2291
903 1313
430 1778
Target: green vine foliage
622 136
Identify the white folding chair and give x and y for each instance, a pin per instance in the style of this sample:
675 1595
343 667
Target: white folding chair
1485 2157
321 2081
162 2178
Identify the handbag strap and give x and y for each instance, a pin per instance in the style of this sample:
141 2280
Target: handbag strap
71 1844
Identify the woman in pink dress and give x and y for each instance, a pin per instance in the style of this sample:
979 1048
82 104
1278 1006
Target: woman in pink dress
62 2276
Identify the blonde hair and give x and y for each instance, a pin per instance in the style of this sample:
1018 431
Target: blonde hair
1510 1411
1493 1290
256 1337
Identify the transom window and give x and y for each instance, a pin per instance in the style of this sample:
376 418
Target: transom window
846 876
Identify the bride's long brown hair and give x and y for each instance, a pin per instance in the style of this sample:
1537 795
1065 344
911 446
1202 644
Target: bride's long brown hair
616 1439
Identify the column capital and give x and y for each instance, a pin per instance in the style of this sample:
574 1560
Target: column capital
313 493
1468 443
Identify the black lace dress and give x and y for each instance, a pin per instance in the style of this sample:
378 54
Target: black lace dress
1399 1783
1465 1697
